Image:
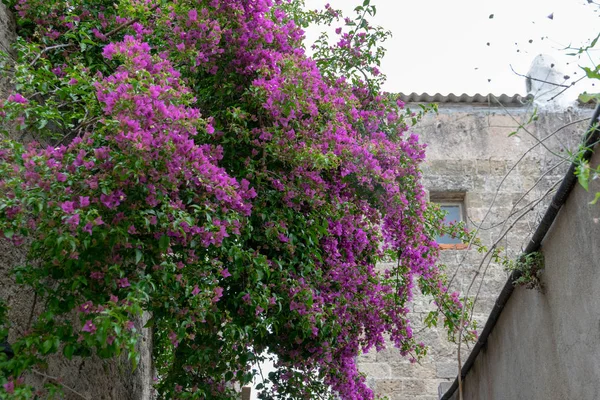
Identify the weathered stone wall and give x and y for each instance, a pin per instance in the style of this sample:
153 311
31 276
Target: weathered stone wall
7 37
546 345
91 378
470 150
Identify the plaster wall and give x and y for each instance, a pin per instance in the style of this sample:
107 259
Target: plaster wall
470 151
546 345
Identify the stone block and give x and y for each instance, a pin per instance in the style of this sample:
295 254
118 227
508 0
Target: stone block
376 370
388 387
414 387
446 370
423 370
369 357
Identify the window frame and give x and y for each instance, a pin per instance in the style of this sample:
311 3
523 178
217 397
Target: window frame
451 199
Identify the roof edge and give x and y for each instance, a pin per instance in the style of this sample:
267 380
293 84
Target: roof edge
476 99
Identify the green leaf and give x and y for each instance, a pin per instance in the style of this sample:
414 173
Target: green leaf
68 351
588 97
163 243
583 175
138 255
593 44
591 73
47 346
596 198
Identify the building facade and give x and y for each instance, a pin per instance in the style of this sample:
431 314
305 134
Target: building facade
545 344
492 162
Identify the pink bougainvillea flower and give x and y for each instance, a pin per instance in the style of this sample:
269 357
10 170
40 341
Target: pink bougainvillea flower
86 307
17 98
225 273
123 283
84 201
89 326
9 386
68 207
218 293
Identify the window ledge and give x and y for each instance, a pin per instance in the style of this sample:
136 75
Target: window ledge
457 246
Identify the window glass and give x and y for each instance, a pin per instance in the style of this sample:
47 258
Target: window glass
453 214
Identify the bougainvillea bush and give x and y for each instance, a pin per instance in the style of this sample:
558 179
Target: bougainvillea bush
187 161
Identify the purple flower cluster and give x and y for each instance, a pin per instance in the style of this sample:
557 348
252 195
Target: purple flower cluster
245 194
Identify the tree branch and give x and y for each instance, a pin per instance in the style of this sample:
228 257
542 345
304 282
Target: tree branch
539 80
57 380
125 25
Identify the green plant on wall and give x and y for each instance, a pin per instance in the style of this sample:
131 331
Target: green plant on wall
584 171
529 266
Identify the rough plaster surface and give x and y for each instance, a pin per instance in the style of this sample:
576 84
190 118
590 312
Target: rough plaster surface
94 378
470 150
547 345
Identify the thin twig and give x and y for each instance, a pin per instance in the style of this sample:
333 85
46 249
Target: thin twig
125 25
58 46
35 297
538 80
562 91
513 210
57 380
507 230
460 385
109 34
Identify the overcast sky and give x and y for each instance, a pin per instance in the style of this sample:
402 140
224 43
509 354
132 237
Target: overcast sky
442 45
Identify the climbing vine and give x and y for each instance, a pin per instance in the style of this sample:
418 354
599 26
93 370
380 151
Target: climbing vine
188 161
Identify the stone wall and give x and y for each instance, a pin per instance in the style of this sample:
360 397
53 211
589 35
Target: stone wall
546 345
471 151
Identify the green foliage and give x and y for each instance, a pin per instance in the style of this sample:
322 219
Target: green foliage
589 97
194 166
529 266
584 172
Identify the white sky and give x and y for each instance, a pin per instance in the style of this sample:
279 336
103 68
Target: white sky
441 45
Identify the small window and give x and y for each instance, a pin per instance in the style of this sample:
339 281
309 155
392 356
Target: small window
453 205
453 214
